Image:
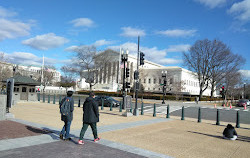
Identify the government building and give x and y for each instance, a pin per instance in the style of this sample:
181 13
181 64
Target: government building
110 78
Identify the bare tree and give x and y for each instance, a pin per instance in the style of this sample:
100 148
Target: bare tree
87 62
223 63
5 68
210 61
230 83
67 79
176 88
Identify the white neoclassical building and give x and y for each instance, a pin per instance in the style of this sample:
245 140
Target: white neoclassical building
110 79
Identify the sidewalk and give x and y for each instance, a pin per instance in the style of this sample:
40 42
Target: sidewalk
136 136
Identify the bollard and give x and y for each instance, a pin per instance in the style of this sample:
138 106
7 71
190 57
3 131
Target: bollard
154 114
49 98
38 96
199 115
79 102
120 106
111 106
182 114
238 120
102 104
54 100
218 117
60 98
43 97
142 112
167 111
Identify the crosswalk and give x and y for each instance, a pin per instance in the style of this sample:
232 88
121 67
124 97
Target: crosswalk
163 109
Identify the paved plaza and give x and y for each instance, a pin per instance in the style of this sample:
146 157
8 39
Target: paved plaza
34 132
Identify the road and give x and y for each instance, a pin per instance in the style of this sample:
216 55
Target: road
208 112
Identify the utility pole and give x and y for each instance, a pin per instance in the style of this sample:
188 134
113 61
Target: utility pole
164 76
136 77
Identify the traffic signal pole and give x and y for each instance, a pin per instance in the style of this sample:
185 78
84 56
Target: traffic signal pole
136 111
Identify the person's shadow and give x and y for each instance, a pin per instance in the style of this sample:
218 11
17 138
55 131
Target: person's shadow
239 138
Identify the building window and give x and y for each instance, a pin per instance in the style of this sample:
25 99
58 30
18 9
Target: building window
159 89
148 88
144 80
24 89
149 80
16 89
159 81
32 90
154 81
153 88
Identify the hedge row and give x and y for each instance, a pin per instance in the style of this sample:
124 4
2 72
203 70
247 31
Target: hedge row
151 96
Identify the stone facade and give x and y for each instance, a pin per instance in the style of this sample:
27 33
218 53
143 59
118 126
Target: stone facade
110 79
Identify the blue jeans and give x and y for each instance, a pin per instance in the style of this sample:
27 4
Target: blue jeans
67 128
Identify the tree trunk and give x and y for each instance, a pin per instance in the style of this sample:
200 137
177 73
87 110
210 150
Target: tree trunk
212 90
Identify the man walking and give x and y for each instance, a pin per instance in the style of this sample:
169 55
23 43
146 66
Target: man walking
90 117
66 109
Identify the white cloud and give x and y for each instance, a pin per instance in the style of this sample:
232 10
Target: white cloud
102 43
179 48
96 44
71 49
245 73
212 3
12 28
241 10
6 13
166 61
177 33
132 32
45 42
29 58
152 54
82 22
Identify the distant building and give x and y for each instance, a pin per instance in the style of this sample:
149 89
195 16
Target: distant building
36 72
110 79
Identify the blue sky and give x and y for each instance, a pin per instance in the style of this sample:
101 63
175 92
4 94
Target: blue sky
29 29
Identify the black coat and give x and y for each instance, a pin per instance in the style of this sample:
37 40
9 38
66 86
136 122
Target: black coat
90 111
229 132
70 116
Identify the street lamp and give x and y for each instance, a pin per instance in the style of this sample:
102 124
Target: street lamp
124 60
14 69
164 76
244 91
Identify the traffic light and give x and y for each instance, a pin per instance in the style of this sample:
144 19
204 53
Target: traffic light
127 85
165 82
136 75
222 92
127 72
142 58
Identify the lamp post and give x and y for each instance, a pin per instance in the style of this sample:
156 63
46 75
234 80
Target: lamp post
164 76
14 69
124 60
244 91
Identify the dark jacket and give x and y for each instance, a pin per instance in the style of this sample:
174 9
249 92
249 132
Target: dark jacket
229 132
70 116
90 111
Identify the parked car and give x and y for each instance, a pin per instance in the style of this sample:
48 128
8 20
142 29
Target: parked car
107 101
243 102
